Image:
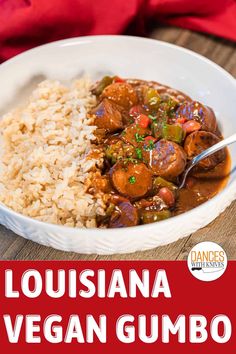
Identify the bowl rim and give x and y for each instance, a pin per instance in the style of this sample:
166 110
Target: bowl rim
96 38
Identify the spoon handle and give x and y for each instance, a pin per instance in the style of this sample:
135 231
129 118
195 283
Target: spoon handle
211 150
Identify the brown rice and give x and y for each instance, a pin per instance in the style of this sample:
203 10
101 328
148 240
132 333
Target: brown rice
45 172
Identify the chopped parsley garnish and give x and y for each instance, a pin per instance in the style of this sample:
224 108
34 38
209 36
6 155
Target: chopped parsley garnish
152 117
139 138
139 153
132 180
149 146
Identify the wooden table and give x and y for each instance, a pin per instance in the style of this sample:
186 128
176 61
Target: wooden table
222 230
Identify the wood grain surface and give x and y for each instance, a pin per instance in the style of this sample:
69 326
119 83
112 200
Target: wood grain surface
222 230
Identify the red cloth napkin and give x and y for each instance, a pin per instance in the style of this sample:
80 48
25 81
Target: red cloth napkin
28 23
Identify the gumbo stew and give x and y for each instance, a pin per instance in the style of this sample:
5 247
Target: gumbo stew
146 133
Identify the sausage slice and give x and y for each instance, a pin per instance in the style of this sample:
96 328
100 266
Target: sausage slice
133 180
199 141
107 116
198 112
167 159
122 94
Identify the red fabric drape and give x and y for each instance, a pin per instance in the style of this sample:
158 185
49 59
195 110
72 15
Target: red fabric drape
28 23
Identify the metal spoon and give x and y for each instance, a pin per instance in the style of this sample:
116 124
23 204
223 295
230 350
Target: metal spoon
211 150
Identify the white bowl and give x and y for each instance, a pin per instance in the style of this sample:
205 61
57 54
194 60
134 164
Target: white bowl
128 57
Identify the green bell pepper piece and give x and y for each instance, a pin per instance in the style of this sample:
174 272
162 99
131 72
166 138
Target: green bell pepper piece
149 216
173 132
